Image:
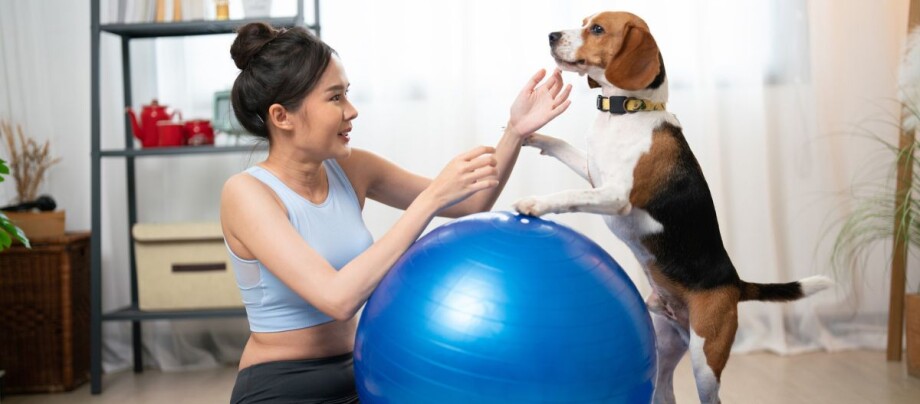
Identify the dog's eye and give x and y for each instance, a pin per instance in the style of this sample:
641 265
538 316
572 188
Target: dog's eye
597 29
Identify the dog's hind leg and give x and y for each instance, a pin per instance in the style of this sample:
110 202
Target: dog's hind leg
671 345
563 151
713 323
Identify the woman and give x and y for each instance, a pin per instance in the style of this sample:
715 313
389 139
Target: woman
304 261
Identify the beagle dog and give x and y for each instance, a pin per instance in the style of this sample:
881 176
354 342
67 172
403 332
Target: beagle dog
649 187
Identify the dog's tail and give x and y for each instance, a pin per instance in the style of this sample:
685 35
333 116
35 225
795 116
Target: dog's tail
784 292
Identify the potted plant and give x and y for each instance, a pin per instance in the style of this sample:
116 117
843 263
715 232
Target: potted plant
880 216
8 230
29 161
889 211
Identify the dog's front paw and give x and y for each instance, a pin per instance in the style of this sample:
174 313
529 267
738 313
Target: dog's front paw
531 206
546 144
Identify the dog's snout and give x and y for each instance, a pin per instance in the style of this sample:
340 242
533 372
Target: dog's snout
554 37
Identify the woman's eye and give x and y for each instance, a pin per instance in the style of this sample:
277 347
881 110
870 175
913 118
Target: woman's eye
597 29
336 97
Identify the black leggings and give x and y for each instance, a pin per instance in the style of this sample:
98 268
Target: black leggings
326 380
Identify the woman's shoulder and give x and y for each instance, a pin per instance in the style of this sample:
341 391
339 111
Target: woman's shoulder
243 186
241 181
245 200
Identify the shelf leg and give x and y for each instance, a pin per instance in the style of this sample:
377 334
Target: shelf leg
138 346
95 365
95 361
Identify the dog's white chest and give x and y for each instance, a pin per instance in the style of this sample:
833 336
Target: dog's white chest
615 145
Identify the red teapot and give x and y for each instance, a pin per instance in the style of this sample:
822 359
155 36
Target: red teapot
146 131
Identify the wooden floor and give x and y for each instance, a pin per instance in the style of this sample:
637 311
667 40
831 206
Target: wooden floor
840 378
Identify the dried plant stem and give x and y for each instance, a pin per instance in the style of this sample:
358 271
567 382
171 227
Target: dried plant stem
28 161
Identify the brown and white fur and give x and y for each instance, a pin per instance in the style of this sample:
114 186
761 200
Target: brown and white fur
648 186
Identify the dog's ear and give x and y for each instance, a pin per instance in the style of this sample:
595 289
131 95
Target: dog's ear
636 63
592 83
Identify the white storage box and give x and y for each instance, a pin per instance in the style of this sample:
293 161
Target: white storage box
183 266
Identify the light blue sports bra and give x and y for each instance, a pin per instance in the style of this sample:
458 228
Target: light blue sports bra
334 228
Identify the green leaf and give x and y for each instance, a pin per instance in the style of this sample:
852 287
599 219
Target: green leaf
4 220
9 231
3 169
5 240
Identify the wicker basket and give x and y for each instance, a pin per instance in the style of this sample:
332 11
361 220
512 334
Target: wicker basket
45 314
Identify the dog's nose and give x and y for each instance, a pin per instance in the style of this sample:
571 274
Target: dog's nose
554 36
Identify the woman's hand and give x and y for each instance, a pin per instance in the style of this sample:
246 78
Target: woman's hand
538 103
463 176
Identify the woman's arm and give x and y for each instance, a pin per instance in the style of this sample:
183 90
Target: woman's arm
255 220
534 107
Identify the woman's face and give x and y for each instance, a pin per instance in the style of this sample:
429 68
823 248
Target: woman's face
325 115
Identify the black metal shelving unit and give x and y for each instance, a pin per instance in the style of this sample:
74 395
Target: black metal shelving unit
179 151
127 32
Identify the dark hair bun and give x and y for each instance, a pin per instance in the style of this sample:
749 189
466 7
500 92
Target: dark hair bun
249 41
277 66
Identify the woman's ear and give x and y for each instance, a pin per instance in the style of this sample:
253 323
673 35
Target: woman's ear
279 117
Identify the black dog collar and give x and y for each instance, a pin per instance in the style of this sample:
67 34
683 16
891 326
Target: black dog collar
621 105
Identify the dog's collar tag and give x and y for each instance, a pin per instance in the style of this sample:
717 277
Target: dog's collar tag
620 105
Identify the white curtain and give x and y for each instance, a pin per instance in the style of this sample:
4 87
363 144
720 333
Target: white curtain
769 93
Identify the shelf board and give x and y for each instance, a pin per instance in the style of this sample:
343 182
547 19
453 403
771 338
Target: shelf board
130 313
188 28
183 150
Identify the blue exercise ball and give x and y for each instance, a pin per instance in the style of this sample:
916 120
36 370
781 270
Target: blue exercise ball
501 308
